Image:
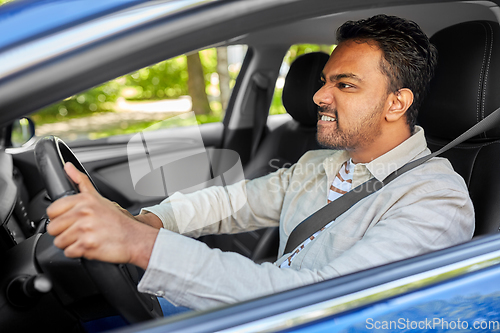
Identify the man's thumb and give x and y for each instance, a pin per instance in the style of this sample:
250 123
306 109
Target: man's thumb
78 177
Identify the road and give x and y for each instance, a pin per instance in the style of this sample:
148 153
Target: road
126 114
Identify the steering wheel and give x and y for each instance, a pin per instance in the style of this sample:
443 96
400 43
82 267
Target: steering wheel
79 283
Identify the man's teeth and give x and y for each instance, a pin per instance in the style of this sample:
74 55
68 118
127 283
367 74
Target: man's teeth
328 118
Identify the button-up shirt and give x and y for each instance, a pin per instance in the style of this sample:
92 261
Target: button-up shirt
425 209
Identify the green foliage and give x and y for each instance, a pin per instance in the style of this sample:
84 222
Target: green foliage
208 59
164 80
167 79
277 103
300 49
99 99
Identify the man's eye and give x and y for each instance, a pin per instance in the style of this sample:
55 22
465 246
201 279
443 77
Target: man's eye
322 82
344 85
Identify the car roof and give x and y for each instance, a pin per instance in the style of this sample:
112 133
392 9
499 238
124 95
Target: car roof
431 17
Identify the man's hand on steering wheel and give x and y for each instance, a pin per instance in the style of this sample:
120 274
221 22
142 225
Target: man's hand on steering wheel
88 225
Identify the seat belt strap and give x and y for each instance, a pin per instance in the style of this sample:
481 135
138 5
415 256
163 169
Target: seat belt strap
331 211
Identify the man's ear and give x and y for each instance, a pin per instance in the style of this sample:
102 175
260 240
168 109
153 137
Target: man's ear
399 102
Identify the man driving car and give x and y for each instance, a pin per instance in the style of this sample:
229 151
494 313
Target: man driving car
373 85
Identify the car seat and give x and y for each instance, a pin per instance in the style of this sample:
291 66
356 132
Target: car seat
464 90
281 148
287 143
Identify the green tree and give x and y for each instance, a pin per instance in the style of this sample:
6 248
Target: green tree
164 80
197 85
167 79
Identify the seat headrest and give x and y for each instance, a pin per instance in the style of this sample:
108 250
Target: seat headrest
301 83
466 85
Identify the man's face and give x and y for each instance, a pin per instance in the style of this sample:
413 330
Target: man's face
353 98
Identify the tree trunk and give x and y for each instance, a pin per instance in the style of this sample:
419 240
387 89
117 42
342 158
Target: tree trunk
196 85
223 71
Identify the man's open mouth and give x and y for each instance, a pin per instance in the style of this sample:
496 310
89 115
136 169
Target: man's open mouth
328 118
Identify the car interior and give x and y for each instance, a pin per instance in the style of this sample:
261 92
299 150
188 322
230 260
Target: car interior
466 79
462 93
281 147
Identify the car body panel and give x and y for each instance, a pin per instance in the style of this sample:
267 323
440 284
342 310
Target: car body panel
468 302
22 19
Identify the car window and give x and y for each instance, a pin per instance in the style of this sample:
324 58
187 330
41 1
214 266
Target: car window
199 82
292 54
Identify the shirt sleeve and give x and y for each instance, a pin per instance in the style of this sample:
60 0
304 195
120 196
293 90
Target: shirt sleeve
199 277
244 206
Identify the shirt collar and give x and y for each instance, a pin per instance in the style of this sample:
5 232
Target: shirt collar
408 150
383 165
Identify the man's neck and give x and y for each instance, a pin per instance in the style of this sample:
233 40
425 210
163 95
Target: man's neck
381 145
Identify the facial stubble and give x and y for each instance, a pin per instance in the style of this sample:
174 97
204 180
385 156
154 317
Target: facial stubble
353 136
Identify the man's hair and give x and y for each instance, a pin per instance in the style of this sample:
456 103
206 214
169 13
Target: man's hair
409 56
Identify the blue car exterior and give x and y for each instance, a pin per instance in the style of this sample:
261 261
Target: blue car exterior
452 289
469 302
22 19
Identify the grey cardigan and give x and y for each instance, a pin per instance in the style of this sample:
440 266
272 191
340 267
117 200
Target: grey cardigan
423 210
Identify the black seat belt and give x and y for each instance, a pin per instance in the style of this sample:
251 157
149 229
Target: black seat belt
338 207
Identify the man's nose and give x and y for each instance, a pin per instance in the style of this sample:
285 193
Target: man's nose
323 97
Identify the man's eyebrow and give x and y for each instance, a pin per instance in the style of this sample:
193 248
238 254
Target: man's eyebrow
337 77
